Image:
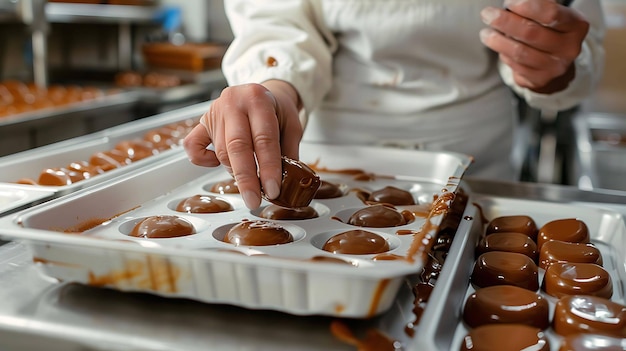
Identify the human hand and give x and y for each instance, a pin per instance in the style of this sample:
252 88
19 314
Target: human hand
250 126
538 39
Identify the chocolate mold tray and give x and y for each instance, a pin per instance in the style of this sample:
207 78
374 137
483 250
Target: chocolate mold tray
14 198
446 330
200 266
30 163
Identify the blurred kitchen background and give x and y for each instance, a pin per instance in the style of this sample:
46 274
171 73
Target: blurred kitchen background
69 68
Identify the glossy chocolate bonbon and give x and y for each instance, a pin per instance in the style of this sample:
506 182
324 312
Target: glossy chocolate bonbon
160 227
299 185
505 337
576 314
257 233
505 268
500 304
571 278
356 242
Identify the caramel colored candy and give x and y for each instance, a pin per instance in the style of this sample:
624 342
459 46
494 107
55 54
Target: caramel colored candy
505 268
510 242
203 204
356 242
569 229
158 227
282 213
592 342
506 304
258 233
392 195
589 314
505 337
572 278
562 251
299 185
516 224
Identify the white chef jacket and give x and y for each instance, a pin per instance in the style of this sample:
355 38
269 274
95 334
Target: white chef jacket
409 73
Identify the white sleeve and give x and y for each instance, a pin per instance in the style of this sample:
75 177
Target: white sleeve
279 39
589 66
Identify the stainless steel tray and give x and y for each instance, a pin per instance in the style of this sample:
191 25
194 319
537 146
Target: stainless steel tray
30 163
600 164
37 313
200 266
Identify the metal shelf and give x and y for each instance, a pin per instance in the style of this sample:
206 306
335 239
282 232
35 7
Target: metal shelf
90 13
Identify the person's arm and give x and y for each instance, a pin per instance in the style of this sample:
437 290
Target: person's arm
278 64
550 55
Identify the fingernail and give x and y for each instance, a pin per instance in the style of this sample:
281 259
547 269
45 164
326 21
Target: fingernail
484 33
251 199
488 14
508 3
271 189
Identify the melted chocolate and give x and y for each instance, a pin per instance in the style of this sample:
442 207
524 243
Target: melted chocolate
506 304
356 242
589 314
282 213
562 251
517 224
569 229
505 337
258 233
157 227
572 278
510 242
203 204
380 216
392 195
505 268
298 186
328 190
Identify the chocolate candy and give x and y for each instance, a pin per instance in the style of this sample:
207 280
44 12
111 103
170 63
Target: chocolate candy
203 204
392 195
571 278
505 304
505 268
562 251
510 242
592 342
569 229
356 242
517 224
589 314
328 190
158 227
257 233
225 187
282 213
379 216
298 186
505 337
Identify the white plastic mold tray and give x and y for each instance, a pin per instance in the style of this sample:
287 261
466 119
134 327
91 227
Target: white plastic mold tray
203 267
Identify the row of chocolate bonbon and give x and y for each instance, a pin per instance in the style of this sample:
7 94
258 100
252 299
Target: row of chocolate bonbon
17 97
507 290
131 79
123 153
